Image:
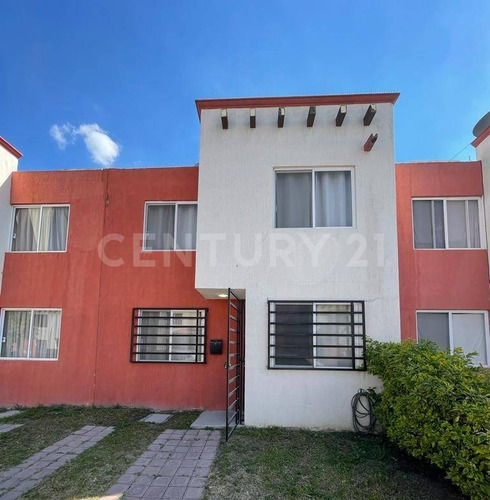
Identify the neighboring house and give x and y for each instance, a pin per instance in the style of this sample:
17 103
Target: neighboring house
116 282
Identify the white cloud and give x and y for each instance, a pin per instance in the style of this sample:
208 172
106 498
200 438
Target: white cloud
62 134
101 147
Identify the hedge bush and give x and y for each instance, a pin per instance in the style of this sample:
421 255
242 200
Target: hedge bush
436 405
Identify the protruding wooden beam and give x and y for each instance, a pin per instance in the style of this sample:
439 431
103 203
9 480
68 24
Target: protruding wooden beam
224 119
252 118
311 116
368 145
340 116
368 117
281 113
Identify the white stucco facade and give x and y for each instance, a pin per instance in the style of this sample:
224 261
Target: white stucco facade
483 154
8 164
239 247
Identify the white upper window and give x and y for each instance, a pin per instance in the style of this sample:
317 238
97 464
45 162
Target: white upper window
30 333
451 329
40 228
314 198
447 223
170 226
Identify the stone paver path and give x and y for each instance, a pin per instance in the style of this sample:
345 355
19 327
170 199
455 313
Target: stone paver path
8 427
174 467
17 480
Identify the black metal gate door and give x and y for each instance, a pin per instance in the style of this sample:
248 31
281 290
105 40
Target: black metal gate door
235 363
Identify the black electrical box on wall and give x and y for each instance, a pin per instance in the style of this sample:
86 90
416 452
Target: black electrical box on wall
216 346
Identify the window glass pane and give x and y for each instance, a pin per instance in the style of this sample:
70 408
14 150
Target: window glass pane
186 227
160 222
438 213
334 313
26 229
435 327
456 221
333 199
474 220
15 339
293 334
293 199
422 224
184 333
45 334
153 335
469 334
54 229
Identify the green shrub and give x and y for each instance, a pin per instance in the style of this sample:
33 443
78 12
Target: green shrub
436 406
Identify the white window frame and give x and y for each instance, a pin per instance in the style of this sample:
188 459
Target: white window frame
200 356
32 310
173 203
450 313
40 206
315 366
313 170
481 221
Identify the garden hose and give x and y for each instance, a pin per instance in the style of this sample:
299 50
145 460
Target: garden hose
363 417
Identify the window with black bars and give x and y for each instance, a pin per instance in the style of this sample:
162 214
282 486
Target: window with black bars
321 335
168 336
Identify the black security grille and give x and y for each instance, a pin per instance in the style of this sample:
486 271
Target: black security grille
168 336
321 335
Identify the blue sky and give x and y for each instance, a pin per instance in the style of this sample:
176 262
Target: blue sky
133 69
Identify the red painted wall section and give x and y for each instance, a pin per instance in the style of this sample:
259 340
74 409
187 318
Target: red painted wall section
437 279
68 280
157 279
97 299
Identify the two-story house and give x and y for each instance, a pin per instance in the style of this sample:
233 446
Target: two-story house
249 282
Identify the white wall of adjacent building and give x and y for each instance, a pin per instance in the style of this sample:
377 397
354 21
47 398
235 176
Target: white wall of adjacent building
8 164
237 241
483 154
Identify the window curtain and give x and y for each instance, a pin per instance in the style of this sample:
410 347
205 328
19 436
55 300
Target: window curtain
469 334
54 228
160 222
186 227
333 199
333 313
46 328
154 347
435 327
422 224
15 339
26 228
293 199
438 219
474 220
184 332
456 221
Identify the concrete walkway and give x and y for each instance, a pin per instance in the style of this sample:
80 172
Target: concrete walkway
8 427
9 413
174 467
210 420
17 480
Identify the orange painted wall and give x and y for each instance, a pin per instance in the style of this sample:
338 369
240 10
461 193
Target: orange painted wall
437 279
97 300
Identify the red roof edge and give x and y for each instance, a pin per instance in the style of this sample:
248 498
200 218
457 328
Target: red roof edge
10 148
481 137
310 100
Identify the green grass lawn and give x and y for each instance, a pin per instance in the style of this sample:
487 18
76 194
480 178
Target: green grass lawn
256 464
90 474
295 464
